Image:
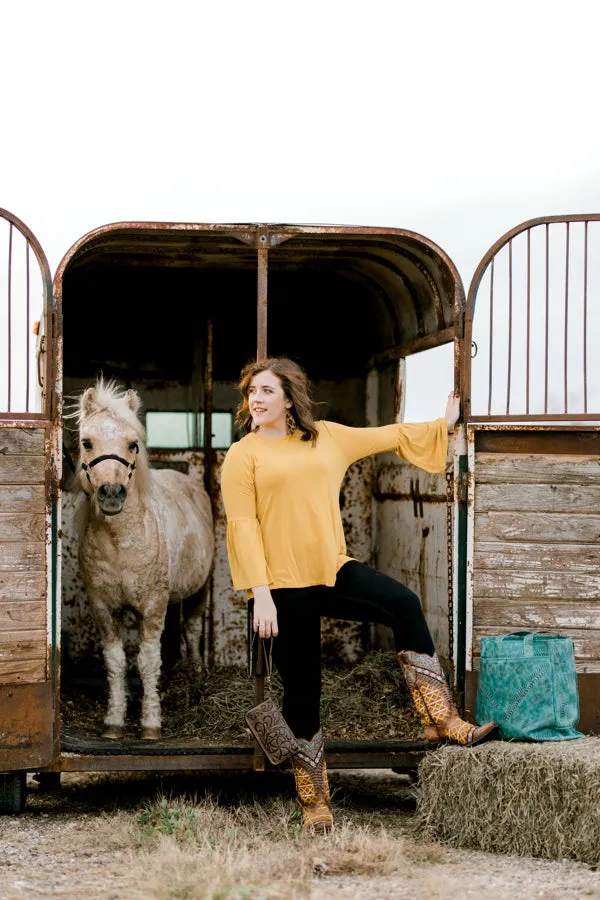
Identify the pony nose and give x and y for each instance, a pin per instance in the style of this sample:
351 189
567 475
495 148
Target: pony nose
111 498
112 492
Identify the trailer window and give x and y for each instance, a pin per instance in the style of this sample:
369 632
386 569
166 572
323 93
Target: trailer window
185 430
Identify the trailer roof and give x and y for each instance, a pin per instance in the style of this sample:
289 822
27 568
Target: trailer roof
411 283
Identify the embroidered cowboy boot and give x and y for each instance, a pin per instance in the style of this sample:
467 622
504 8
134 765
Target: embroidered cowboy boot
432 698
431 732
312 785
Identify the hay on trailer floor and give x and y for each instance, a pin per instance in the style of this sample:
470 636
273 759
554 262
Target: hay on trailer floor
523 799
364 701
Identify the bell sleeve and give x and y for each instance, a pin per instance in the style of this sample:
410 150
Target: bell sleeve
424 444
245 549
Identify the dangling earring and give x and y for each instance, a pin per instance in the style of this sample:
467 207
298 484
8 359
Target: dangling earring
290 422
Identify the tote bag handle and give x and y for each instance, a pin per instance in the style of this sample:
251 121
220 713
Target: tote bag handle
528 637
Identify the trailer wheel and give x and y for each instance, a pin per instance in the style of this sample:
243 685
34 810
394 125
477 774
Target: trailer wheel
13 789
48 781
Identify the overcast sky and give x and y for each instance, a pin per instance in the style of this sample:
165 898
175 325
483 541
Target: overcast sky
457 120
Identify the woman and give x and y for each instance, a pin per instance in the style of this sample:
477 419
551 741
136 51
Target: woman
286 547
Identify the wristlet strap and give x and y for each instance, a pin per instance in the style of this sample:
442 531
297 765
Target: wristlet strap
262 658
265 720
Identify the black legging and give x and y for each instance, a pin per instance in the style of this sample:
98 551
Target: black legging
360 594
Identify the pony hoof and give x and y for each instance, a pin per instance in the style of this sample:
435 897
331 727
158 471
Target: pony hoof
114 732
151 733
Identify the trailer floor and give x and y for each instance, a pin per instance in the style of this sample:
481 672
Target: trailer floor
81 751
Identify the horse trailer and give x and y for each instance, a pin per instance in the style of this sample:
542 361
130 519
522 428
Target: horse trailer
507 540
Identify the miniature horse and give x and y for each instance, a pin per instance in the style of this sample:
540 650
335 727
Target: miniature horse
147 541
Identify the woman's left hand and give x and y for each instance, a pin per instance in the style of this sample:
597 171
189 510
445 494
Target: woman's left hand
452 410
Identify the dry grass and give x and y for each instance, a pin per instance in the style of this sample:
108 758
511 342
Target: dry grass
365 701
237 837
524 799
196 850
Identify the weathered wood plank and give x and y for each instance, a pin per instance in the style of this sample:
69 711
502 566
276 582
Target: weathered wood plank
546 527
585 643
23 645
558 585
519 616
22 498
584 558
22 586
21 441
26 556
552 443
22 470
22 671
546 498
536 468
22 616
22 527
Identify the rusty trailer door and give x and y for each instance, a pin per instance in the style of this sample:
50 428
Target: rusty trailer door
29 508
532 384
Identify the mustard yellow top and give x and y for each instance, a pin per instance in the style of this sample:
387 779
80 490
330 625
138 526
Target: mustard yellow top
281 495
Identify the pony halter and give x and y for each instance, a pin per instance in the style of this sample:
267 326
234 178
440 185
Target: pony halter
130 465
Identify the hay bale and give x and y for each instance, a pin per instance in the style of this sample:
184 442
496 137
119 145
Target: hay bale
367 700
522 799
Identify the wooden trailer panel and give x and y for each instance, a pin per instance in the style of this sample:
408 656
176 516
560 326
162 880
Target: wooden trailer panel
25 645
541 573
23 583
534 546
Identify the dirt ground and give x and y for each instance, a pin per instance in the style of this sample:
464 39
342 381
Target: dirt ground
109 837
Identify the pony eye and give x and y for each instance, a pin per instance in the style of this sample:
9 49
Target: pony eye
87 444
133 446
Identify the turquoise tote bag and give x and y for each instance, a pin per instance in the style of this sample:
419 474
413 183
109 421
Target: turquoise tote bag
528 685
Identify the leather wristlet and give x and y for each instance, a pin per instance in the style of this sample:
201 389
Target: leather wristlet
272 732
268 726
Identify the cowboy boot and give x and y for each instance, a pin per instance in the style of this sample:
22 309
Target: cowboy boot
431 732
425 678
312 785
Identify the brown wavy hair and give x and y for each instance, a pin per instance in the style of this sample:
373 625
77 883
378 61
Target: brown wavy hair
296 388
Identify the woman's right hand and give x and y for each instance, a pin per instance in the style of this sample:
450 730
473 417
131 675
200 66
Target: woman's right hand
265 612
452 413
